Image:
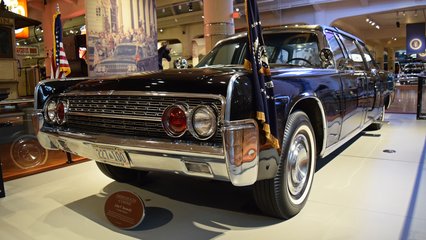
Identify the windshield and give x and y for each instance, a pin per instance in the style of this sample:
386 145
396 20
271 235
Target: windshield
293 49
125 50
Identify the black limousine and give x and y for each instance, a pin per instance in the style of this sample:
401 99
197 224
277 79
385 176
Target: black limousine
200 122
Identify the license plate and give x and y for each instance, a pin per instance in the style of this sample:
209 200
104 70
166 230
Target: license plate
112 155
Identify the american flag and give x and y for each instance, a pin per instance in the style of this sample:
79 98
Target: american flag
60 66
256 61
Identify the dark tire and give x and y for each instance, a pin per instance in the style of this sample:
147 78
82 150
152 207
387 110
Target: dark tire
377 125
285 195
120 174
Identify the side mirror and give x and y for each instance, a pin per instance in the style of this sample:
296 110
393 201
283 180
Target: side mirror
326 57
345 64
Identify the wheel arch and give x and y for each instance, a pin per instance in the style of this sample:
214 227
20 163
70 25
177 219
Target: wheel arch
313 107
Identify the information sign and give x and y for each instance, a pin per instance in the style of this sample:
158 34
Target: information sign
124 209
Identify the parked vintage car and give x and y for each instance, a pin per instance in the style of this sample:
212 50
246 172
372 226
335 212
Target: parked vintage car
127 58
201 121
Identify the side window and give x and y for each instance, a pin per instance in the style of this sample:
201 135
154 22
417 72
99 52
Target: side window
335 47
368 58
354 52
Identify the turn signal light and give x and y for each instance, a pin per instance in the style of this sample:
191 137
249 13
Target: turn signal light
174 120
61 110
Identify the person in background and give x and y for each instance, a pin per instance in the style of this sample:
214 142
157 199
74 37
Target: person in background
163 52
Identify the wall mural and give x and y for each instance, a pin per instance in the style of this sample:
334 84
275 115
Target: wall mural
121 36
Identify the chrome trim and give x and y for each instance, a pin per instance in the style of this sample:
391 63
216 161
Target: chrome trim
190 123
324 122
143 155
222 99
148 144
229 96
247 173
36 95
138 93
130 117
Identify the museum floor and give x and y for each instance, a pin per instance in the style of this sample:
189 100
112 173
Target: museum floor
364 192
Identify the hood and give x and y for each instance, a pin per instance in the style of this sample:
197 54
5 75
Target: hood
201 80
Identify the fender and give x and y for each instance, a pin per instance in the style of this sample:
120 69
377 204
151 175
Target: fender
311 96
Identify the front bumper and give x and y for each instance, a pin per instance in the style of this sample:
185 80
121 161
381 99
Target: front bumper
182 158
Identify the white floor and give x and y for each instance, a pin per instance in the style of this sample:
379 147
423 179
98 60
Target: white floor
362 193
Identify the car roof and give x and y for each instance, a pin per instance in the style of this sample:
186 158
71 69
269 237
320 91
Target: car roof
299 28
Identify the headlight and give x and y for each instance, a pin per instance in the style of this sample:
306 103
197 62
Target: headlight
131 68
174 120
50 111
203 122
100 69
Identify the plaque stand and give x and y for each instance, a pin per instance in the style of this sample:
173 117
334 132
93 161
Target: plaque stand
124 209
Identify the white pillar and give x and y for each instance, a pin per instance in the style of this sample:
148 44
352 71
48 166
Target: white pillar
218 21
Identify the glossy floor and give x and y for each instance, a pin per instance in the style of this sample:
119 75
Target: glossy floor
367 191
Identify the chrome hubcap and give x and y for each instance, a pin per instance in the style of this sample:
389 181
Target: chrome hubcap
298 165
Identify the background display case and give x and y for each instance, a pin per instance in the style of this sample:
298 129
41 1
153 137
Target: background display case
21 153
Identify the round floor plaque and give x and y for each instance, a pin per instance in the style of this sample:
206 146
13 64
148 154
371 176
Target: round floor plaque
124 209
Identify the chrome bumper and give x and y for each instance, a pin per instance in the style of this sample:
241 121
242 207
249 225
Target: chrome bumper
186 159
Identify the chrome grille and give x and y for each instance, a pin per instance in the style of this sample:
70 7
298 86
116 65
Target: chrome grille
138 116
116 67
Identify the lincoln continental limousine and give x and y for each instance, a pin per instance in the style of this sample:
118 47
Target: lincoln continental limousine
200 122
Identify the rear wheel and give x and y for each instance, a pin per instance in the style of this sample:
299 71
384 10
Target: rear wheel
285 195
120 174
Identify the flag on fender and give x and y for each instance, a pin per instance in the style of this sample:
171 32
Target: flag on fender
256 61
60 67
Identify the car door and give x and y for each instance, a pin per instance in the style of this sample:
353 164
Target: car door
374 87
354 81
337 105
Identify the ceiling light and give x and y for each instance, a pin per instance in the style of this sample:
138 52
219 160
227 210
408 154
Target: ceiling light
415 13
367 19
161 30
377 26
237 9
373 23
202 17
403 13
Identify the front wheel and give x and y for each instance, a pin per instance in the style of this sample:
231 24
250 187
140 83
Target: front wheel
120 174
285 195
